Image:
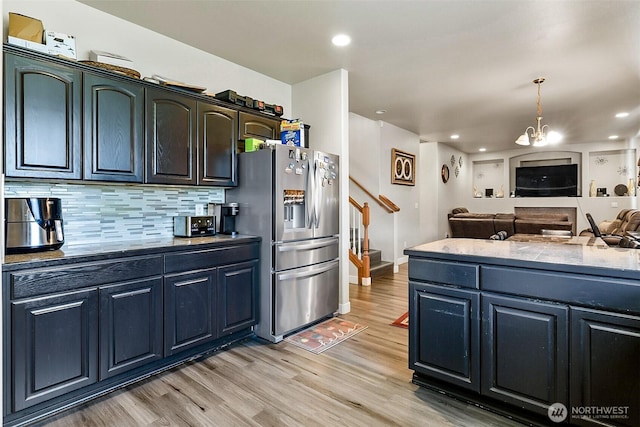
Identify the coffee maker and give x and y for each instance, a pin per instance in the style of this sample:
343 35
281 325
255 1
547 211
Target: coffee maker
228 213
33 224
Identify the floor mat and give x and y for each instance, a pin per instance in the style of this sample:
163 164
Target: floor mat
325 335
402 321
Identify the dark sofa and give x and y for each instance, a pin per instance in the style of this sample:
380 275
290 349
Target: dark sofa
484 225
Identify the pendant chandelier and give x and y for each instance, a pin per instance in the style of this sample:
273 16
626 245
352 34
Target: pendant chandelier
538 135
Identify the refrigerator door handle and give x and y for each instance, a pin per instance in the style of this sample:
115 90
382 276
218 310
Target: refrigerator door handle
310 192
314 272
319 243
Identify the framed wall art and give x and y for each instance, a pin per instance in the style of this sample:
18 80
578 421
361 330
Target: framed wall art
403 167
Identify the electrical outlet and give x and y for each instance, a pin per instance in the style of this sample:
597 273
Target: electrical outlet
405 244
614 204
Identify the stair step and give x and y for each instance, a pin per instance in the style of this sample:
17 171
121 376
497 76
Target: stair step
375 257
382 269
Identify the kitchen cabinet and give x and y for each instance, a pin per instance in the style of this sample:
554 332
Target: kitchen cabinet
130 325
80 326
605 372
237 296
550 332
113 129
170 138
190 310
525 356
256 126
43 110
53 346
445 331
217 145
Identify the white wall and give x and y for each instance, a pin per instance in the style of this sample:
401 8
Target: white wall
323 102
454 192
370 144
151 52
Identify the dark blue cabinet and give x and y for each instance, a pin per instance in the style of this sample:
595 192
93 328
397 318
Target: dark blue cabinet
237 297
525 353
605 368
444 334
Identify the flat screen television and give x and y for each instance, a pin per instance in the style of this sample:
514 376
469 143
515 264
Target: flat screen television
547 181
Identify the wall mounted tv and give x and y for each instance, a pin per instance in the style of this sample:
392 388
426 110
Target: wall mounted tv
547 181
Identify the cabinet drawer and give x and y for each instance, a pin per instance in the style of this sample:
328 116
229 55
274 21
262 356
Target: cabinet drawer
448 273
47 281
199 260
592 291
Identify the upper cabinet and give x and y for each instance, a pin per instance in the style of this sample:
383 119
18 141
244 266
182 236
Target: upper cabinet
170 138
66 120
42 119
113 131
217 145
254 126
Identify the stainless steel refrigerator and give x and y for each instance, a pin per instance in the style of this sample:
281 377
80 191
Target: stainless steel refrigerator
290 197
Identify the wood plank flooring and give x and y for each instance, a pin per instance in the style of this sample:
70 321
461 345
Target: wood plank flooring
363 381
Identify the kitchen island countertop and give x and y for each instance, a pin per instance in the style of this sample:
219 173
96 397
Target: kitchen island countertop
76 252
577 258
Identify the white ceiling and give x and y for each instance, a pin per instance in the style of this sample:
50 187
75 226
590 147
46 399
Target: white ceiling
436 67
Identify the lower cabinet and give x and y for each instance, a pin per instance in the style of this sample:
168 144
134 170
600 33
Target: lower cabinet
445 334
54 346
525 352
78 330
237 296
605 368
190 309
130 326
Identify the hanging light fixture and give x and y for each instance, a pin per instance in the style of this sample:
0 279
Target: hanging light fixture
538 134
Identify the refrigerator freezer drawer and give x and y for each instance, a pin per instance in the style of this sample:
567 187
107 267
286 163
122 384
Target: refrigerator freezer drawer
305 295
295 254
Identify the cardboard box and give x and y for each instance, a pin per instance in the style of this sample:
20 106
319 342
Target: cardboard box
25 28
292 133
61 44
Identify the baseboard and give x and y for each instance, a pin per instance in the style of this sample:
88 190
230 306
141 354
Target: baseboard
353 279
344 308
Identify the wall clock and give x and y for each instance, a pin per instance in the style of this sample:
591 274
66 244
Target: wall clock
445 173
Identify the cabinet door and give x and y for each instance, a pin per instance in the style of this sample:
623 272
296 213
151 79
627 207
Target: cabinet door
237 294
113 130
605 368
130 326
253 126
217 145
444 334
42 119
189 310
170 138
525 352
54 346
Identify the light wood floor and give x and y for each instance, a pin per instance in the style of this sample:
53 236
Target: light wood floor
363 381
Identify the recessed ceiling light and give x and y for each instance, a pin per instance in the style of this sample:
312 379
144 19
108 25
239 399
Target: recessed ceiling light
381 111
622 114
614 137
341 40
482 149
455 136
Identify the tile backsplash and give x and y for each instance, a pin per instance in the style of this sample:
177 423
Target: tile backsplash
98 213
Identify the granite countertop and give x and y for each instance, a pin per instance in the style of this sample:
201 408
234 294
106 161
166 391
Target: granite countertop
72 252
578 257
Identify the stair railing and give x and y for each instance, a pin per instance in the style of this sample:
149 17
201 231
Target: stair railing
359 219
